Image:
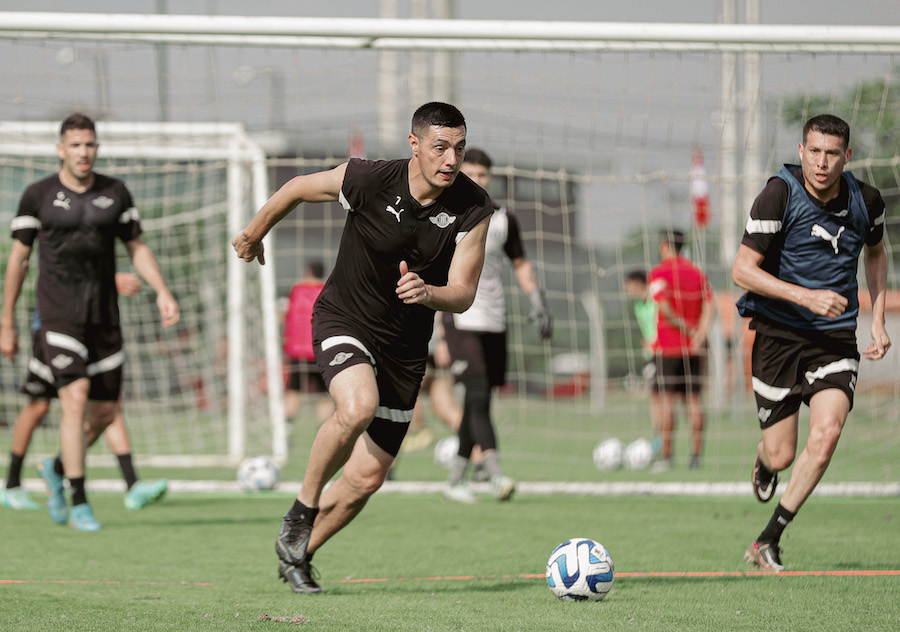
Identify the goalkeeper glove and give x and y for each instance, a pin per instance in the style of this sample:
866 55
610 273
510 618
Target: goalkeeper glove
540 312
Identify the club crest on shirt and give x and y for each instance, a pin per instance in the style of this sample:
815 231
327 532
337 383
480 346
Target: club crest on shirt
442 219
103 202
62 201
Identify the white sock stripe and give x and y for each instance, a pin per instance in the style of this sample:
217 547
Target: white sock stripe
106 364
41 370
771 393
328 343
394 414
62 341
838 366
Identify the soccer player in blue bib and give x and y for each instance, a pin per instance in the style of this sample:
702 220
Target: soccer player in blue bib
413 243
798 262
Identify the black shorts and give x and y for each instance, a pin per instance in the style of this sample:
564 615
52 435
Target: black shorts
67 353
304 376
681 374
398 374
790 366
39 378
476 354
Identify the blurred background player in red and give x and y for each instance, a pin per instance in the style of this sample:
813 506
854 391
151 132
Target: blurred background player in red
684 298
303 377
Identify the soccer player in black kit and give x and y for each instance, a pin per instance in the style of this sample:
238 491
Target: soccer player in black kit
76 216
798 262
413 243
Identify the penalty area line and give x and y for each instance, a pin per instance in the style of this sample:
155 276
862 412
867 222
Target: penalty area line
100 582
631 575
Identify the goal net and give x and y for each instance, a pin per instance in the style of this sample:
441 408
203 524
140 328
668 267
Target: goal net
599 134
198 392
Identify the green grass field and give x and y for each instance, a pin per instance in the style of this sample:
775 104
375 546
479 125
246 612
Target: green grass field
416 562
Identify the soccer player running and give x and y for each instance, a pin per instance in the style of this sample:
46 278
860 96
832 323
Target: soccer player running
477 342
40 391
683 296
75 216
413 243
798 262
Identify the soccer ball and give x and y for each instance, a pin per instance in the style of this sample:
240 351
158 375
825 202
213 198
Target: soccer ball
638 454
580 569
257 473
445 450
608 454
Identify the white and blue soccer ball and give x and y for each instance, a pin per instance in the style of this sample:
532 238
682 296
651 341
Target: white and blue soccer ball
580 569
445 450
258 473
608 454
638 454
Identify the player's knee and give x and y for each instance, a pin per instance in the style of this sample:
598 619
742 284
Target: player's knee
356 413
780 457
824 439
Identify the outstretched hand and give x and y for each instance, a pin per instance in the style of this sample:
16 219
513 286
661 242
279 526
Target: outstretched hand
411 287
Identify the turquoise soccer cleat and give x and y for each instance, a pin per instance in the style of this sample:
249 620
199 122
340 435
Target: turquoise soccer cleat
82 518
56 497
17 498
145 493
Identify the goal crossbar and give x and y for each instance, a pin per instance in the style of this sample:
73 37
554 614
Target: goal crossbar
442 34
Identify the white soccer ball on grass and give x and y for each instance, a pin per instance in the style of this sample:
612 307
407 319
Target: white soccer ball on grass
608 454
580 569
638 454
258 473
445 450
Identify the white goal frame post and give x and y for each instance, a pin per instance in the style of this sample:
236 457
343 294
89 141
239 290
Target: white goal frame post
247 191
740 46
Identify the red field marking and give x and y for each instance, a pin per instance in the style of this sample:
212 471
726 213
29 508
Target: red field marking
633 575
100 582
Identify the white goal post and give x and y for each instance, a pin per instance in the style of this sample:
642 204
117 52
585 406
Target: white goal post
150 157
592 127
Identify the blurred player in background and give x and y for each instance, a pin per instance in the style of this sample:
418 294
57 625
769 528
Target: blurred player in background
798 261
645 312
75 216
437 387
477 341
683 297
303 377
413 243
40 392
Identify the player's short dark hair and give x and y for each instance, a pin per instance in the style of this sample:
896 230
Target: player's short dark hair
436 113
316 268
830 125
674 238
478 157
637 275
77 121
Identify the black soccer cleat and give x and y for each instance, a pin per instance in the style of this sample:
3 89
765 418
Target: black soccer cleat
292 540
764 482
764 555
300 578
